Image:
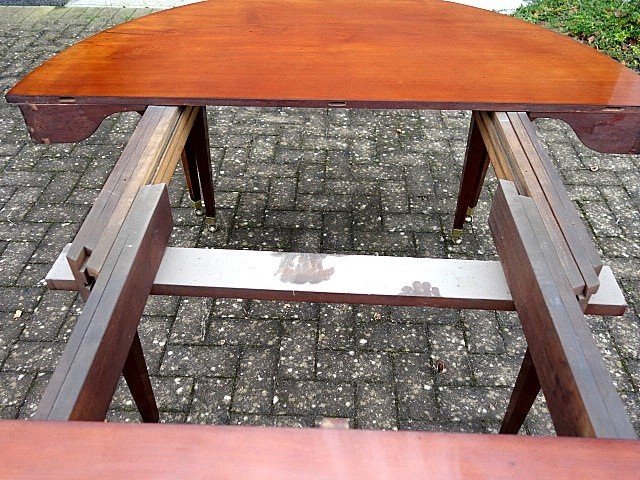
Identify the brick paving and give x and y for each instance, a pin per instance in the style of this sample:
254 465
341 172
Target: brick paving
374 182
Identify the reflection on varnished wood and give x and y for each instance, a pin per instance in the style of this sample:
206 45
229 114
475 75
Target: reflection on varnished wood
301 268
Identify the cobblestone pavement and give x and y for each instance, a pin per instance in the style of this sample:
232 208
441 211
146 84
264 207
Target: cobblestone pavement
375 182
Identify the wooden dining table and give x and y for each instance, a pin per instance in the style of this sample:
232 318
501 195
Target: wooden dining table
336 54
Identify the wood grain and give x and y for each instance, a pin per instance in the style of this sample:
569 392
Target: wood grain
476 161
136 375
514 148
577 386
364 52
82 450
150 157
354 278
85 379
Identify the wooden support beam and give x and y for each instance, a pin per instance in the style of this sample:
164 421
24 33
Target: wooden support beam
581 397
198 150
340 278
85 379
81 450
150 157
566 214
476 161
524 394
513 163
137 377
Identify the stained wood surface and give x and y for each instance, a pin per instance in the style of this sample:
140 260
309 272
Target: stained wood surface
517 156
150 157
429 53
85 379
81 450
524 394
476 162
339 278
577 386
136 375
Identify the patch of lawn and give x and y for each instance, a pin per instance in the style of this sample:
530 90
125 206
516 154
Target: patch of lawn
611 26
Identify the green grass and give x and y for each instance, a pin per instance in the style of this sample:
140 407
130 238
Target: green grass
611 26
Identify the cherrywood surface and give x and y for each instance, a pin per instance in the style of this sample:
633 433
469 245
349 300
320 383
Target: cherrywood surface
427 53
348 279
83 450
580 395
85 379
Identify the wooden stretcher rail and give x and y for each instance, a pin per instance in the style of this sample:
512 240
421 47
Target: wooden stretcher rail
150 157
83 383
81 450
517 156
340 278
577 386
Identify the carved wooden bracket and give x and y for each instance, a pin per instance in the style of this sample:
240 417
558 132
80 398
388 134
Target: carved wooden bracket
67 123
615 132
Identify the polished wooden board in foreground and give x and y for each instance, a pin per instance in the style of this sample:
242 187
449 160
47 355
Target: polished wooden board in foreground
81 450
360 53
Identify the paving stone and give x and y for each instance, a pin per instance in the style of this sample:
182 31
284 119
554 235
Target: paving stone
376 406
171 393
211 401
483 334
244 332
253 391
13 388
33 356
472 403
298 350
392 337
49 316
192 321
336 327
449 355
199 360
346 366
318 398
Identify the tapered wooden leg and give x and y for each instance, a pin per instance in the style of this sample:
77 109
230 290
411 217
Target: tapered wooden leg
524 394
475 168
190 168
137 376
197 147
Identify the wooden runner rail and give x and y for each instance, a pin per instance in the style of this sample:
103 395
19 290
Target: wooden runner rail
100 346
509 142
81 450
577 386
150 157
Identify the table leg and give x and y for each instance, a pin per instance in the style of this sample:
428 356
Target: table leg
197 147
524 394
475 168
190 168
137 377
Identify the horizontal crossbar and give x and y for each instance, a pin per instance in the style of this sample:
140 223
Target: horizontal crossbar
469 284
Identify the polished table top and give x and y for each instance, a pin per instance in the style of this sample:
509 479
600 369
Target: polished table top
354 53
